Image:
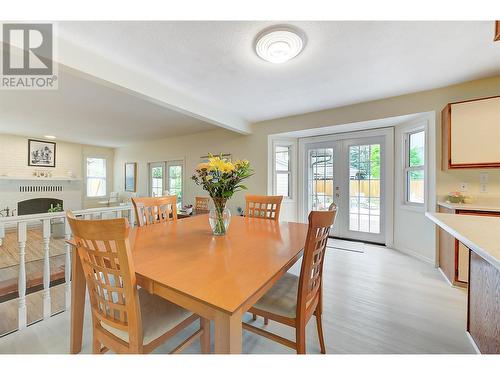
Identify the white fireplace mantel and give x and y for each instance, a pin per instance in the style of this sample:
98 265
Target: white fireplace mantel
41 179
15 189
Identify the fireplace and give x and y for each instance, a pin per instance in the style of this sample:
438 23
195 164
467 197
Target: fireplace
37 205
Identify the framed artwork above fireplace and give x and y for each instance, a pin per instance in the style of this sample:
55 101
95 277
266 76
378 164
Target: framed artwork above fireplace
41 153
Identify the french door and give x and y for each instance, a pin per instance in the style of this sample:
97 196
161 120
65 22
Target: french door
349 172
166 178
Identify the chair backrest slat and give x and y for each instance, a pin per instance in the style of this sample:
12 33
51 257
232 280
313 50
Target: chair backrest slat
201 203
311 272
153 210
104 249
262 206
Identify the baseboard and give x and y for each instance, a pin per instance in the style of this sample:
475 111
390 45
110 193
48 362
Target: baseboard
474 345
416 255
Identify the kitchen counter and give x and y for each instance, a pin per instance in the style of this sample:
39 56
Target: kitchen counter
478 206
480 234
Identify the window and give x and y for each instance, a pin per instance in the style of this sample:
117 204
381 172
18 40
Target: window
166 179
415 167
282 171
96 177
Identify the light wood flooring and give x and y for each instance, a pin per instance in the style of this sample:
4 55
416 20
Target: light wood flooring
9 250
376 301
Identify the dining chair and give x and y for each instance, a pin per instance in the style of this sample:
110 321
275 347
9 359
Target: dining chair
201 203
263 206
153 210
125 318
294 300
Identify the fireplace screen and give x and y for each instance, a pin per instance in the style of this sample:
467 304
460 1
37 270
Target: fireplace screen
37 206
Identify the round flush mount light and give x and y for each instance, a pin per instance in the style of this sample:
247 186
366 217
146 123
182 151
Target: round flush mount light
279 44
50 136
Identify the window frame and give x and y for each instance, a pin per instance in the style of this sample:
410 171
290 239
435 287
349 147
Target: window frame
289 172
407 169
87 177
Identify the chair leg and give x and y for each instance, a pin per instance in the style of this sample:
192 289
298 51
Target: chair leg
300 334
96 346
319 325
266 321
254 317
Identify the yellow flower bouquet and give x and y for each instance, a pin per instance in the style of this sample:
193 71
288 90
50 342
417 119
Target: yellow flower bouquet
221 179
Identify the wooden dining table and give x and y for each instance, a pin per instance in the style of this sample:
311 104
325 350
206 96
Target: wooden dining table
216 277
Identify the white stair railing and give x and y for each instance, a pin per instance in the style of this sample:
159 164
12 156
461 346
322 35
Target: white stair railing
21 284
21 224
47 309
67 265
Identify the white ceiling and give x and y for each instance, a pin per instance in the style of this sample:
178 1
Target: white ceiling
196 76
86 111
343 62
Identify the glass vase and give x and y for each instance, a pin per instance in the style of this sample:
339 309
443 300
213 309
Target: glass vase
219 217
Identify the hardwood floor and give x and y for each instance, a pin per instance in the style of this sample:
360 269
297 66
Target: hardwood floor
376 301
9 273
9 256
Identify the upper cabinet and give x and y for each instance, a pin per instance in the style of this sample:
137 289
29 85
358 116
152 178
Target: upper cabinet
471 134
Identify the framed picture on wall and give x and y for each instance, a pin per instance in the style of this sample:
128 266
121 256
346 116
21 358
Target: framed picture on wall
41 153
131 177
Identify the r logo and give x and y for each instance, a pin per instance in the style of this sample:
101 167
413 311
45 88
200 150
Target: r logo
27 49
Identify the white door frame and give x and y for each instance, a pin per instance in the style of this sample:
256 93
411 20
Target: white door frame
388 134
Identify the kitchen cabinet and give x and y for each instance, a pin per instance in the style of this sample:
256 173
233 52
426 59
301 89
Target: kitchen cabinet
471 130
453 255
480 234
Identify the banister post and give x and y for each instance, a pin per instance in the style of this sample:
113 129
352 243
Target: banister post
21 239
2 233
47 309
67 265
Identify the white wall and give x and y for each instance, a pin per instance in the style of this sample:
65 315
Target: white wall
70 157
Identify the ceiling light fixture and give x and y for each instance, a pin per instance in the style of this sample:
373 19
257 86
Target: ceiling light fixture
50 136
279 44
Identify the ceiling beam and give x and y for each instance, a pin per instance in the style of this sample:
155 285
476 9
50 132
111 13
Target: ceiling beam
144 86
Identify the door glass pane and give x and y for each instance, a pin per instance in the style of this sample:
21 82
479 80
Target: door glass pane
156 181
364 188
320 184
175 182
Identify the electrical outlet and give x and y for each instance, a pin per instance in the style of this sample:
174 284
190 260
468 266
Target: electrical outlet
483 177
483 188
463 186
